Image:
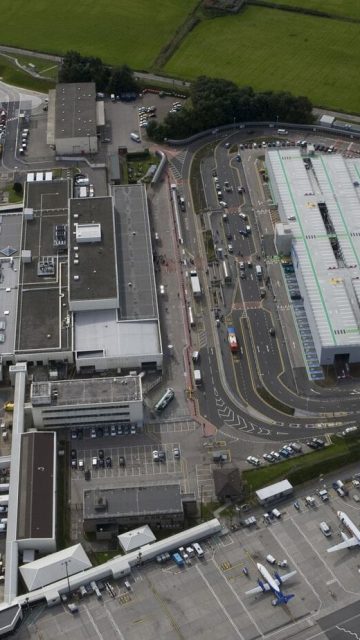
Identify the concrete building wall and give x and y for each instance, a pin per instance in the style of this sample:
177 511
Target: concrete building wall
93 305
75 146
42 545
45 357
48 417
155 521
122 363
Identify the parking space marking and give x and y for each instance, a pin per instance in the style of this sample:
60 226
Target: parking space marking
246 609
237 631
92 621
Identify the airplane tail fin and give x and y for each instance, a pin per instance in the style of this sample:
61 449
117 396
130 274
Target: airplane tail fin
284 599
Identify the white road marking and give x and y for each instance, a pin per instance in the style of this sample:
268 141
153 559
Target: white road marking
239 600
220 604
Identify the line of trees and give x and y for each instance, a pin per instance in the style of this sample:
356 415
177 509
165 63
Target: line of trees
78 68
215 102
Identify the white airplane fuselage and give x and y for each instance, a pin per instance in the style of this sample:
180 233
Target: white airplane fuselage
268 577
348 524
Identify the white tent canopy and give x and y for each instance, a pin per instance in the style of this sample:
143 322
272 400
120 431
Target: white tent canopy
136 538
55 567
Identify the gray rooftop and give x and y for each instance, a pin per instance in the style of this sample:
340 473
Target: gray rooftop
10 238
95 274
132 501
137 290
101 332
36 486
75 110
88 391
40 294
330 281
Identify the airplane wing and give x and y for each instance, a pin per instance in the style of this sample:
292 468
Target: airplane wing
347 544
286 577
258 589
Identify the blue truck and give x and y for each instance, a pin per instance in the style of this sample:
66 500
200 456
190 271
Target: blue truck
178 559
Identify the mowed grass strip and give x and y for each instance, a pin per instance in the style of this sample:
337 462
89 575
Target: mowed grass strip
271 49
344 8
119 31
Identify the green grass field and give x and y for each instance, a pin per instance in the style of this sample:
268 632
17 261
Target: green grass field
270 49
346 8
11 74
123 31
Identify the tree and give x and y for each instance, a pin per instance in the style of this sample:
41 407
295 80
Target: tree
77 68
122 81
217 102
18 188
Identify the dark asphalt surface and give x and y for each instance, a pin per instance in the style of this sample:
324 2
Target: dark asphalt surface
262 358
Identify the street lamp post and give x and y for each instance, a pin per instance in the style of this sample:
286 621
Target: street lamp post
66 563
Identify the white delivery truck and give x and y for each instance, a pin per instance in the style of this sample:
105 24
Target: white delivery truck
197 377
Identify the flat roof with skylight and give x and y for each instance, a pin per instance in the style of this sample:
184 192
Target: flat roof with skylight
321 205
93 268
42 319
90 391
137 290
75 110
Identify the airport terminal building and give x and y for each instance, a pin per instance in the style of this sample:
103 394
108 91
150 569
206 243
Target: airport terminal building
319 206
78 281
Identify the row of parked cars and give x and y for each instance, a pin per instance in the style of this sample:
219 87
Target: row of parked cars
286 451
103 432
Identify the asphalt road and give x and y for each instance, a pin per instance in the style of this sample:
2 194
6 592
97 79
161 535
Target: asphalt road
230 397
342 624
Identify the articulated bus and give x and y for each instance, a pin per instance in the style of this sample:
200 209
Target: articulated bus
166 398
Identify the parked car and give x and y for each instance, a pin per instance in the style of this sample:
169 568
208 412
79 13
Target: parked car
253 460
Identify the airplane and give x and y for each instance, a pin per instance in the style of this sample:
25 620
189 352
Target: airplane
271 583
352 528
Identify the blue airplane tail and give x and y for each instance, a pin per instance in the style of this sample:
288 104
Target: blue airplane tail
281 598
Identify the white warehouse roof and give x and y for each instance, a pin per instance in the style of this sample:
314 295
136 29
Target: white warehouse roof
136 538
55 567
273 490
327 277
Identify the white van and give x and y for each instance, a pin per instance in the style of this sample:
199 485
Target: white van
325 529
270 559
198 550
135 137
276 513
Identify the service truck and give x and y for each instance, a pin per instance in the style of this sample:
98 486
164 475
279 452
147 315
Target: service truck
233 343
178 559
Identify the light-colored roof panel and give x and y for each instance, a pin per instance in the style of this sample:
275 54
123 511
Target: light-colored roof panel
136 538
273 490
322 207
55 567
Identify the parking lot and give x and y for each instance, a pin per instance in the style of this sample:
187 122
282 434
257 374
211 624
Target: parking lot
132 461
208 598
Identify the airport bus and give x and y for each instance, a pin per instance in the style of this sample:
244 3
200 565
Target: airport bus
226 272
191 317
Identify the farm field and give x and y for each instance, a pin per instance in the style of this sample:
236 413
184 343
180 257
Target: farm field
347 8
121 31
271 49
